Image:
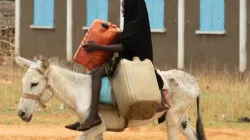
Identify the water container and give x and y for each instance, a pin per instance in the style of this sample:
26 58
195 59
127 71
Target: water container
135 89
100 32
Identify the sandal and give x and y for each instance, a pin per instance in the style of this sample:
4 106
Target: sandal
73 126
87 127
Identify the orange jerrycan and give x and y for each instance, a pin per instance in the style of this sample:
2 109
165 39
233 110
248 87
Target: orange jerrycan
100 32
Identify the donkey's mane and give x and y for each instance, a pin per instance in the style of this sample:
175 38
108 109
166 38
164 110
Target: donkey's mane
69 65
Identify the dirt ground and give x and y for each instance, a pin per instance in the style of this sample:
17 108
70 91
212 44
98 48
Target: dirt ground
50 132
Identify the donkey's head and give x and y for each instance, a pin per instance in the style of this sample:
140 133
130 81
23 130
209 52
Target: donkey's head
36 90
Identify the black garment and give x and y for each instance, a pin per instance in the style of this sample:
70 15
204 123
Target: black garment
159 80
136 36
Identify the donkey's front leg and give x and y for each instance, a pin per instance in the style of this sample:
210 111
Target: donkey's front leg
95 132
99 137
82 109
81 117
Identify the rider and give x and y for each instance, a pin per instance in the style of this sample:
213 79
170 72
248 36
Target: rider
135 40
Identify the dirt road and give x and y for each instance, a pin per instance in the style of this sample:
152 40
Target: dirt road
50 132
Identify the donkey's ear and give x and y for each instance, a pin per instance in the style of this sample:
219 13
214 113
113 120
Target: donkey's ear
22 61
44 65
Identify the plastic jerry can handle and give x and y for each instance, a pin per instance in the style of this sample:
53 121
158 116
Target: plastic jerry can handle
105 25
136 58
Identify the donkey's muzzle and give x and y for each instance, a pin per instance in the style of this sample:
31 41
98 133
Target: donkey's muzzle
23 115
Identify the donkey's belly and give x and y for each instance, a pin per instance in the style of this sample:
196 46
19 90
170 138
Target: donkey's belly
105 94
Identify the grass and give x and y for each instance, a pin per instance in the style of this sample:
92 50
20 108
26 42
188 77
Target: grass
224 98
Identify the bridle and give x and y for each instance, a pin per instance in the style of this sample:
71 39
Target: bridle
38 97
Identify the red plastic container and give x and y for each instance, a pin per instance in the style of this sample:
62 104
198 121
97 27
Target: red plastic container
100 32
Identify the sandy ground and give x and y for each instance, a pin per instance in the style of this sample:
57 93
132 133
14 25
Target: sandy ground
49 132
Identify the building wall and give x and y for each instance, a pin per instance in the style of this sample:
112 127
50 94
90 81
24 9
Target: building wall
79 16
48 42
165 44
216 51
248 35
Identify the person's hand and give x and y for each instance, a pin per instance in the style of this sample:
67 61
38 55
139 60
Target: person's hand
90 47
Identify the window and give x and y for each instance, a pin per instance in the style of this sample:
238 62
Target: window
96 9
212 15
156 14
43 14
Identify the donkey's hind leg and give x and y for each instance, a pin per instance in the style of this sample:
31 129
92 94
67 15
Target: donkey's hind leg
173 119
186 128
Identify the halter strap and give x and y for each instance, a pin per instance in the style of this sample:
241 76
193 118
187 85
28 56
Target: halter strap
38 97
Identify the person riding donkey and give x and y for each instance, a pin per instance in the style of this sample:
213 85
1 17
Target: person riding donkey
135 40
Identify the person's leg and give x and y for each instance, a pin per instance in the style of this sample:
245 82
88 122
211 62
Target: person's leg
93 118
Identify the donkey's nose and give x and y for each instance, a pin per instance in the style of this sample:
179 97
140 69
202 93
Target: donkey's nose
21 113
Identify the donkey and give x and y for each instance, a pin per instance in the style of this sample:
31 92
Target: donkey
70 85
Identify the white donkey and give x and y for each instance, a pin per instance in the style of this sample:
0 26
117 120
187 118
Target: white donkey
56 77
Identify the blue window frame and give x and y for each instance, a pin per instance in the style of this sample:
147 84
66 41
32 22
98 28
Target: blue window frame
155 13
44 13
212 15
96 9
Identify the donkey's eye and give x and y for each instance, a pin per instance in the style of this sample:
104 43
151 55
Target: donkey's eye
33 84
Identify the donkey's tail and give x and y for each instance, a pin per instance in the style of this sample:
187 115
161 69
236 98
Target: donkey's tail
199 125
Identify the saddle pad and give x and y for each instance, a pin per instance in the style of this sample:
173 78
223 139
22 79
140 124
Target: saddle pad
105 94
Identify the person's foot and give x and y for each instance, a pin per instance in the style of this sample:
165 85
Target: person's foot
73 126
89 123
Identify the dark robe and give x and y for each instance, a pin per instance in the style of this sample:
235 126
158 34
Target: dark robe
136 36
